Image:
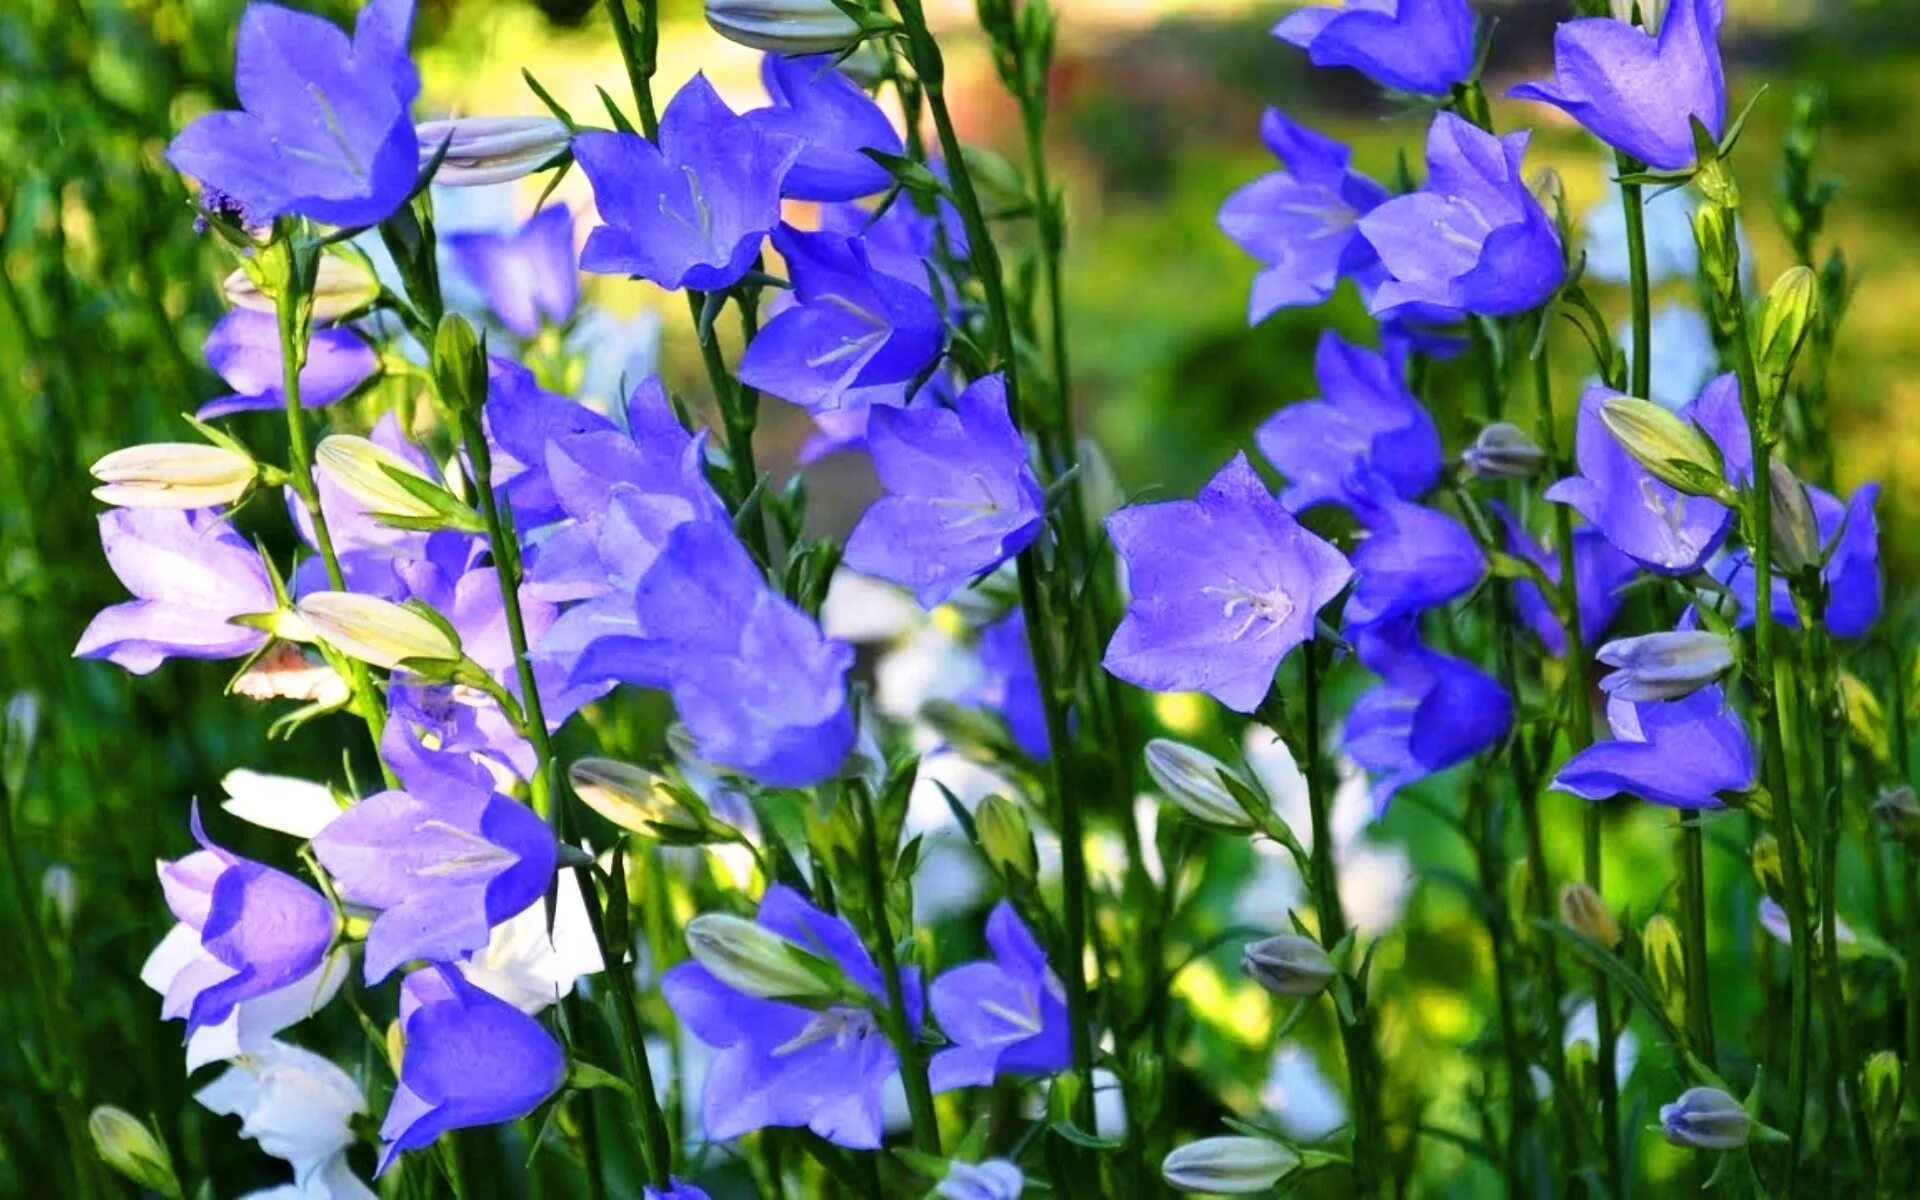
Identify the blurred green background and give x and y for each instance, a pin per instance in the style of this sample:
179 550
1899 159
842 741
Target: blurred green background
107 295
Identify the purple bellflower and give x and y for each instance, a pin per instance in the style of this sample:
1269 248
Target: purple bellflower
1474 238
1599 573
443 861
900 239
1367 424
470 1059
244 350
324 131
1639 93
1007 1015
1680 753
527 275
782 1064
1855 588
851 325
1301 221
522 418
1412 559
834 120
259 931
1224 586
962 497
1009 685
1421 46
1429 712
693 211
190 574
368 550
677 1189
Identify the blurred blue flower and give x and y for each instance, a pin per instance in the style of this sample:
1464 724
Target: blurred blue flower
1007 1015
1680 753
1009 685
1599 573
1855 587
1411 45
1429 711
527 275
244 350
834 120
190 573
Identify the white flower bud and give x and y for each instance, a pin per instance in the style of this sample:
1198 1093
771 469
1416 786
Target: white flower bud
1504 451
1288 965
374 630
484 150
174 475
783 26
1192 779
1228 1166
994 1179
633 798
756 961
340 287
366 470
1706 1118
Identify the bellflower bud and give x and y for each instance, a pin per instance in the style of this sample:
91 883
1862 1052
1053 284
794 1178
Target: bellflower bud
756 961
1583 911
1504 451
637 800
1899 812
1880 1083
783 26
1006 839
1784 320
1706 1118
1666 959
19 730
1664 666
374 630
1767 867
995 1179
130 1148
1228 1166
387 484
1288 965
484 150
1796 533
459 364
340 287
1713 232
1866 719
1668 445
1192 779
174 475
60 894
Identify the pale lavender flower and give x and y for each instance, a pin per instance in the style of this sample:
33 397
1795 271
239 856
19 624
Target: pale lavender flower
1006 1015
244 350
191 574
526 276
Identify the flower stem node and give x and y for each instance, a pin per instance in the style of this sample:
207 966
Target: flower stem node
1669 446
1288 965
1229 1166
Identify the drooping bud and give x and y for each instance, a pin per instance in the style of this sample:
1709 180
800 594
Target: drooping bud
1785 319
783 26
1666 959
1583 911
1006 839
340 287
1504 451
1796 533
1880 1083
174 475
1664 666
1288 965
392 489
60 895
758 962
130 1148
1767 867
484 150
995 1179
18 733
639 801
1899 812
1228 1166
1669 446
1192 779
374 630
1706 1118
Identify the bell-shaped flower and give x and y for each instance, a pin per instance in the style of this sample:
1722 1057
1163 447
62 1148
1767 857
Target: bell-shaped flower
1636 92
962 497
1421 46
522 418
190 574
780 1064
1366 424
1224 586
1599 573
532 964
851 325
1474 238
299 1107
1854 583
1680 753
442 862
1004 1016
469 1059
324 130
1429 712
1412 558
526 276
244 350
834 120
692 211
1301 221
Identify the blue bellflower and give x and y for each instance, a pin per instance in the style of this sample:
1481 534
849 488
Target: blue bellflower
244 350
693 211
1004 1016
1301 222
1009 686
1365 425
962 497
1412 559
1680 753
1474 238
781 1064
1638 93
1429 712
1224 586
526 276
1599 573
818 106
1855 587
324 130
1421 46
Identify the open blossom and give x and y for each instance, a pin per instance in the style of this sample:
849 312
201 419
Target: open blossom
1474 238
782 1064
692 211
324 130
814 103
962 496
1301 222
526 276
1007 1015
1413 558
469 1059
244 350
1680 753
1429 711
1639 93
1365 425
1224 586
1599 573
1413 45
298 1106
190 573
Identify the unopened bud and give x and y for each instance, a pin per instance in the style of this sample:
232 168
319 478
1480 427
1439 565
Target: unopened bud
1706 1118
19 730
174 475
60 894
484 150
637 800
1796 534
130 1148
1767 867
1664 666
1880 1083
1669 446
1192 779
1713 232
1006 839
1583 911
459 364
1899 812
1666 959
1288 965
755 961
995 1179
1866 719
1784 320
374 630
386 484
1228 1166
783 26
1504 451
340 287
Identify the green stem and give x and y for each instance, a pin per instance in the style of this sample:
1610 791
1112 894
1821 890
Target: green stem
1480 818
906 1040
1639 284
1903 761
1693 873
